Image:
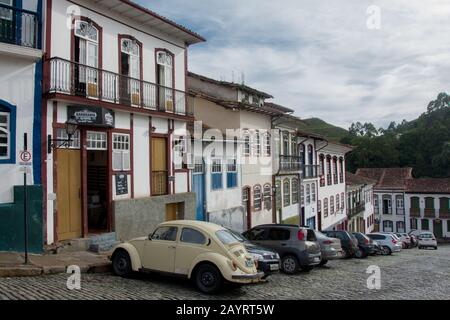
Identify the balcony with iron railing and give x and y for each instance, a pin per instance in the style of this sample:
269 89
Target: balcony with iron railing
444 213
290 164
430 213
414 212
357 209
75 79
19 27
310 171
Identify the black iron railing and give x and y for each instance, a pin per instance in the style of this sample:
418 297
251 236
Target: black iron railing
359 208
310 171
290 163
19 27
72 78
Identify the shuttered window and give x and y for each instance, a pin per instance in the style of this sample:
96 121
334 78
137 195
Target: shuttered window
121 152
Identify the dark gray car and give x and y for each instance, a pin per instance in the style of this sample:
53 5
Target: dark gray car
297 247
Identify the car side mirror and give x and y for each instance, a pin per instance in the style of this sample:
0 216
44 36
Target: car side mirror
150 237
209 243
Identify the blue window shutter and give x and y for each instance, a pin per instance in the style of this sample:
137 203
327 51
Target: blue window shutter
231 180
216 181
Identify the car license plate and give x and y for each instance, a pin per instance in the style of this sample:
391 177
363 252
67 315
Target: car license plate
274 267
249 263
317 259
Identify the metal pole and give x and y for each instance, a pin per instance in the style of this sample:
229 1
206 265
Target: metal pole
25 199
25 215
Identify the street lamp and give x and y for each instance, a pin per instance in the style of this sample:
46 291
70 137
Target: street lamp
71 127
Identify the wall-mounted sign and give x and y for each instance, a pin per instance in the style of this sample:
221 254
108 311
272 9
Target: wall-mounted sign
92 116
121 184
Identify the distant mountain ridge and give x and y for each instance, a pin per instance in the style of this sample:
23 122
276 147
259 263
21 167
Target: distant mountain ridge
318 126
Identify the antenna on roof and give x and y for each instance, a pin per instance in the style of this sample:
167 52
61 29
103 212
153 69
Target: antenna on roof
232 76
243 77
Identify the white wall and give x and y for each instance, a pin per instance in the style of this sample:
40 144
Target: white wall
111 29
17 79
141 156
394 217
335 189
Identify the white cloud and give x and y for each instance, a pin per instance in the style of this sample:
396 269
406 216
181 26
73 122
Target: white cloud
319 58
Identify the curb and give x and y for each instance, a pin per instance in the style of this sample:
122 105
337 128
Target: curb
34 271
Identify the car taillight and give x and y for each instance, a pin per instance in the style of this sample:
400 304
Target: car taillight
394 241
434 239
301 235
366 241
328 242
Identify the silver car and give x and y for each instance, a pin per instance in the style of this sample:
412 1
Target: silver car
427 240
331 248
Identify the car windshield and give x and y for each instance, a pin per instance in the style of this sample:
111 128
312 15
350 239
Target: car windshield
320 235
227 237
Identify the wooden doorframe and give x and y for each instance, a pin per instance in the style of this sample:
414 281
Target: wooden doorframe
84 150
167 138
248 189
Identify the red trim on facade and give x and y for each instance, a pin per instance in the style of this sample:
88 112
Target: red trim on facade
109 225
132 153
55 172
150 134
84 200
171 148
114 106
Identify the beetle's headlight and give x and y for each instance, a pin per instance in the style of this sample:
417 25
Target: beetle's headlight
257 257
277 256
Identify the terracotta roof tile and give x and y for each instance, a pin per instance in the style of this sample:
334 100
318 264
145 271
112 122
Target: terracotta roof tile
428 186
353 179
387 178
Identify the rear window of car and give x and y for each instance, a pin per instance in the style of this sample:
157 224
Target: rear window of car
226 237
376 236
311 235
192 236
426 236
278 234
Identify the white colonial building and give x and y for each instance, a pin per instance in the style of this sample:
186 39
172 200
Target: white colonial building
360 206
389 196
118 70
241 110
332 207
20 121
427 202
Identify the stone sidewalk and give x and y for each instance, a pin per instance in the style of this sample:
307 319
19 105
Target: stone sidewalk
12 264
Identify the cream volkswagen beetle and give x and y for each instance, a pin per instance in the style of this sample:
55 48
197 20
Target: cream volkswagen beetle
204 252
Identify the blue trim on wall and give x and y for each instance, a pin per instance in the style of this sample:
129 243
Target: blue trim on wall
37 121
12 119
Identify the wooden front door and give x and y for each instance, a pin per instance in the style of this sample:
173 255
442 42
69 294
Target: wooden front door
68 169
438 229
172 212
159 166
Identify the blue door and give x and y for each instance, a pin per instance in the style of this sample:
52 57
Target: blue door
198 186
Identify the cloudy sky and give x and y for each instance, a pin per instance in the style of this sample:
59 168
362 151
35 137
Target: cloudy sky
319 57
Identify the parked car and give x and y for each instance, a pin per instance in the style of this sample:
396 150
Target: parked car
268 261
406 239
331 248
365 244
427 240
204 252
388 242
348 241
297 247
378 249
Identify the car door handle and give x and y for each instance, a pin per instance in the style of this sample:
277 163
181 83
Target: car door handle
283 244
172 247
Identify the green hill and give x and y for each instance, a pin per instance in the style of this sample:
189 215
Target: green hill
318 126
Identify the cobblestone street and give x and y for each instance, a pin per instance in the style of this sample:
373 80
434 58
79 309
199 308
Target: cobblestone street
412 274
